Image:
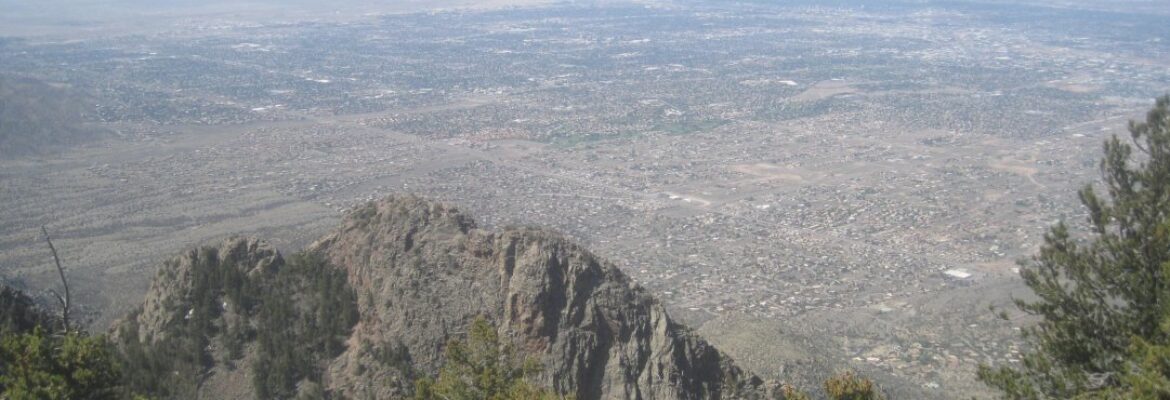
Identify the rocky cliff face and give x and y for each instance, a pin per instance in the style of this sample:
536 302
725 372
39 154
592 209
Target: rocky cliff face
192 335
19 314
421 272
170 300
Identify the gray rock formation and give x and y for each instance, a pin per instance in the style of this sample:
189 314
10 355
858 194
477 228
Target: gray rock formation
19 314
168 300
184 312
423 272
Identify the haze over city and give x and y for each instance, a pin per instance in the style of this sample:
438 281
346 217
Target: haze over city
811 185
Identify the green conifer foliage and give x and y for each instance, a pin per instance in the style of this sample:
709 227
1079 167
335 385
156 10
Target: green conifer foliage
1102 295
40 366
483 369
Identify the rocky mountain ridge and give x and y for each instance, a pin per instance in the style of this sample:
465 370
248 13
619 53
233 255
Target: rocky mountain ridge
419 273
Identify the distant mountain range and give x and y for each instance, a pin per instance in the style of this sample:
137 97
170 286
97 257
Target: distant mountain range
36 117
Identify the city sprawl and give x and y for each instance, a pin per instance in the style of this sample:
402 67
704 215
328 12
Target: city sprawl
856 179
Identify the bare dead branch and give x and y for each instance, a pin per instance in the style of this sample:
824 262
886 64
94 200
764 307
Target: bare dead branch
64 300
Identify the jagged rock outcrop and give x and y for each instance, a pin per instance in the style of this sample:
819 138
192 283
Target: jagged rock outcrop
418 273
169 299
192 335
19 313
423 272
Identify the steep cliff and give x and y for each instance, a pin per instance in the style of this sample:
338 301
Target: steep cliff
237 320
178 290
418 274
197 320
423 272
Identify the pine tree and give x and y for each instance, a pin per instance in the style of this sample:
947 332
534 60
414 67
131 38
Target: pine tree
37 365
483 369
1102 295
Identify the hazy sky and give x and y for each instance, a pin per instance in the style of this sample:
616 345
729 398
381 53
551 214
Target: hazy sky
82 18
89 17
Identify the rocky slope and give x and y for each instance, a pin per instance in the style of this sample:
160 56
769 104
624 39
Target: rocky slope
191 330
18 312
420 272
169 301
